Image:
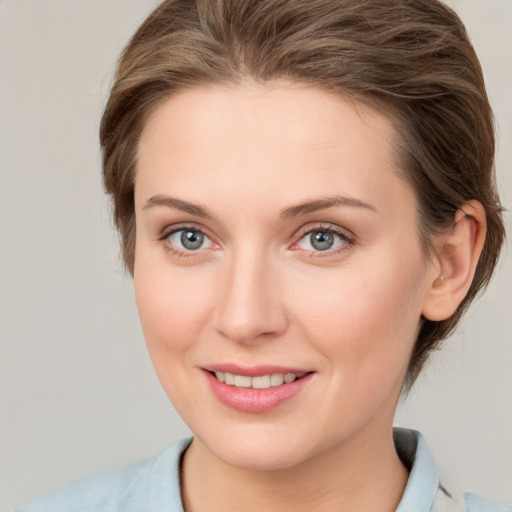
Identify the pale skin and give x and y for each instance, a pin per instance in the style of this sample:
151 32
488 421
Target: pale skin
234 163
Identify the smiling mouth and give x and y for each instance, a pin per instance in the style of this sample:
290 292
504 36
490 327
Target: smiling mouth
260 382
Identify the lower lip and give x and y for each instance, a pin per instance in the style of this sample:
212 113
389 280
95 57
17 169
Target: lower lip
255 400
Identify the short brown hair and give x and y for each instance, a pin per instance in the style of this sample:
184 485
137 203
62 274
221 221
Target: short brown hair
411 58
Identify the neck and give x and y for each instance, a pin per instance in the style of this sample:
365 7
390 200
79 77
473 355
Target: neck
364 473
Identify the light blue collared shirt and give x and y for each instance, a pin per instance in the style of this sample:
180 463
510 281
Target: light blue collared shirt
153 485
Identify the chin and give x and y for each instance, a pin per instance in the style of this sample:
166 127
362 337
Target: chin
257 459
259 450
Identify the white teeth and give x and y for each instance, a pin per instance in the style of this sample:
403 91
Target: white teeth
242 381
260 382
276 379
289 377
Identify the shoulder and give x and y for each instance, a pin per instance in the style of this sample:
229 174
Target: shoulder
137 487
424 492
105 492
476 503
469 502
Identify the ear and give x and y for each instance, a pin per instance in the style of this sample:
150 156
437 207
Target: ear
454 265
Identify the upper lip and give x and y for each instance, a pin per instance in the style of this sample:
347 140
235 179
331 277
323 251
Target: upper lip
253 371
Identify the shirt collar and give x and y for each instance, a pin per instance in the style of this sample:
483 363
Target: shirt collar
419 495
423 482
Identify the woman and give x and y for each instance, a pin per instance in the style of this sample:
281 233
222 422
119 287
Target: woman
305 195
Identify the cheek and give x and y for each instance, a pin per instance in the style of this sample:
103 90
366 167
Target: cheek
173 309
173 305
364 318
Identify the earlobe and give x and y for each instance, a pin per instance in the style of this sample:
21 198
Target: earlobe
456 260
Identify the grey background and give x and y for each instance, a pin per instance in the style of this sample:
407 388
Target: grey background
77 391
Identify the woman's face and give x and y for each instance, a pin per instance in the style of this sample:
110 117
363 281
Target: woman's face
276 241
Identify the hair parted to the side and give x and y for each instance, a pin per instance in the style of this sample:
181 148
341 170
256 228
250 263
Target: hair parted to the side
409 58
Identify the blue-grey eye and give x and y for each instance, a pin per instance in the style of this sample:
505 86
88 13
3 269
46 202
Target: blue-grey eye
192 240
188 239
321 240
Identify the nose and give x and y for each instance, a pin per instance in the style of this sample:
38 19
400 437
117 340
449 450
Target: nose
250 307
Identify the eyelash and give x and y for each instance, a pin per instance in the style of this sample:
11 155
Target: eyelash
166 233
348 239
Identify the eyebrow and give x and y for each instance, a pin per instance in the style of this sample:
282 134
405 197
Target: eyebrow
325 202
291 211
178 204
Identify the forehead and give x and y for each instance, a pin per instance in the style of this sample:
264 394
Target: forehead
273 112
255 138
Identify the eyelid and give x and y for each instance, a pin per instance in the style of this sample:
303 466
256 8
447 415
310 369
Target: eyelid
174 228
325 226
345 234
164 235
